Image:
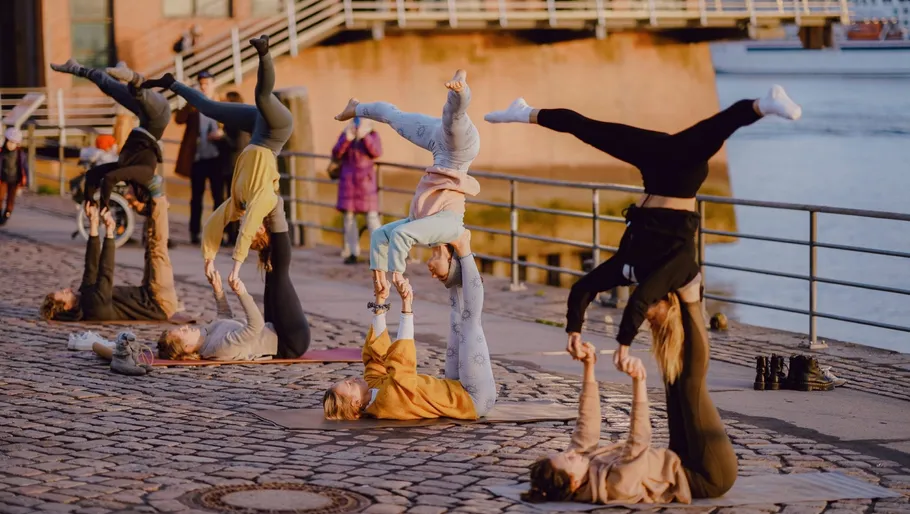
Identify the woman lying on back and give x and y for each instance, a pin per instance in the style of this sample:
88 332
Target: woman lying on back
391 388
700 462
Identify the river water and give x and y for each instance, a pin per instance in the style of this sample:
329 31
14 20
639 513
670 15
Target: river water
850 149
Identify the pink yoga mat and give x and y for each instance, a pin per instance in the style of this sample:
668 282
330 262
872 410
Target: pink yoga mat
312 356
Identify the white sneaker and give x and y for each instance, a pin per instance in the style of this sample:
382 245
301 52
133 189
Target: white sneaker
828 374
82 341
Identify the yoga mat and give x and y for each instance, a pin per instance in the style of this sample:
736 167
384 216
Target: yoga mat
752 490
174 320
312 356
503 412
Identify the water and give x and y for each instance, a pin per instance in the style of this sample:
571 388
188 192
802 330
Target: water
850 149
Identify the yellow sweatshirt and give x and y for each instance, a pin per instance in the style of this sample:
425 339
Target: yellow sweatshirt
403 393
254 193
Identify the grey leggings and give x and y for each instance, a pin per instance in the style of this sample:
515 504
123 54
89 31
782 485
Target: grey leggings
270 122
151 107
467 354
453 139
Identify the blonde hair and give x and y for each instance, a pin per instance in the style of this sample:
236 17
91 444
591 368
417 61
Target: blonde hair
667 336
262 242
170 347
338 407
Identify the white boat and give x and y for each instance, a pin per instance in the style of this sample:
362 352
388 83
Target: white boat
858 58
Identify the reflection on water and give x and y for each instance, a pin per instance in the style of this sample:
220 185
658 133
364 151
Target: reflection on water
849 150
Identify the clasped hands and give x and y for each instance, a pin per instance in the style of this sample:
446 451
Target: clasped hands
587 354
233 279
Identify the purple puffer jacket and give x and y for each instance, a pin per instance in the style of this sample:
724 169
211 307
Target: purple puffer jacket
357 182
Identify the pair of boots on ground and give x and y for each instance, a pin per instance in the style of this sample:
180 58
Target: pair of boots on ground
802 374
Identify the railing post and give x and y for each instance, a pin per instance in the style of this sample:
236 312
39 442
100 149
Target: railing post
600 30
503 18
32 158
551 10
292 26
513 233
813 285
797 14
292 171
61 139
750 7
703 12
399 6
701 238
844 13
235 52
595 231
652 14
348 14
453 14
379 194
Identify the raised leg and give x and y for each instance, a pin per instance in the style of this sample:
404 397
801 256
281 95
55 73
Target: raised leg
474 366
455 334
416 128
701 141
276 115
160 272
459 135
287 314
709 459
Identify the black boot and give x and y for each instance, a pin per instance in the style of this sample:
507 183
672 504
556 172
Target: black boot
796 374
761 369
775 369
2 217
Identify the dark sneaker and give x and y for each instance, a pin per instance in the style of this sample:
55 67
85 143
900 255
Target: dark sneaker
350 259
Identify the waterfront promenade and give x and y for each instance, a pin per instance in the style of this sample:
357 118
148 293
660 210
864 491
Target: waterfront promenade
75 437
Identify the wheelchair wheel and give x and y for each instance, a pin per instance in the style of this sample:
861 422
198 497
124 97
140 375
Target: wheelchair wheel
123 215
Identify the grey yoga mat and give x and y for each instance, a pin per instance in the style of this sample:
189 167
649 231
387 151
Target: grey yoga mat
503 412
751 490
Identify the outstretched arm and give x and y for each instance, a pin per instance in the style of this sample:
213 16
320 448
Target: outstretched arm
640 426
254 322
224 308
586 435
92 250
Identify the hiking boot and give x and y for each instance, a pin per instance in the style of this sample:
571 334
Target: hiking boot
816 380
142 355
761 370
774 373
805 375
828 374
123 361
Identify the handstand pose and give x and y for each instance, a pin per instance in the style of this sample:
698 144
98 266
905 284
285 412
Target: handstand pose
284 331
98 299
438 207
657 251
700 462
391 388
141 153
254 189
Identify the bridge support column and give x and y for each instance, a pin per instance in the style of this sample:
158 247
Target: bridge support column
816 38
297 100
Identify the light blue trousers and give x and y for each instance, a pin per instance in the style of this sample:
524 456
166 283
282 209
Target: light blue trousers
391 243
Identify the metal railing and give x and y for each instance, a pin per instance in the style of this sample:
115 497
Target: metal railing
515 234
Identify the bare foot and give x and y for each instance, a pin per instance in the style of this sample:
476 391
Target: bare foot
380 286
350 110
459 82
462 245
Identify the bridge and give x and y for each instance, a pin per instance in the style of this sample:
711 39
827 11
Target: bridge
310 22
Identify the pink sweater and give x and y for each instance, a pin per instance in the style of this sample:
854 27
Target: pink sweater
442 189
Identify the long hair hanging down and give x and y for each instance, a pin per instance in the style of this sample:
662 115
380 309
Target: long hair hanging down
667 336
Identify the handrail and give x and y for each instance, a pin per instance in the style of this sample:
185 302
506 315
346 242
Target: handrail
812 243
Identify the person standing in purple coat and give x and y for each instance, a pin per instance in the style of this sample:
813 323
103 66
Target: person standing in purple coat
357 147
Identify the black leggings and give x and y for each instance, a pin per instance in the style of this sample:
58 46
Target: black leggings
282 307
649 150
697 433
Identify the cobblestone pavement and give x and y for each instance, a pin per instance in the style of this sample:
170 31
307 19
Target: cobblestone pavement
75 437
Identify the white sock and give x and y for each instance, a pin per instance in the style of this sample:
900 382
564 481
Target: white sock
518 112
777 102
